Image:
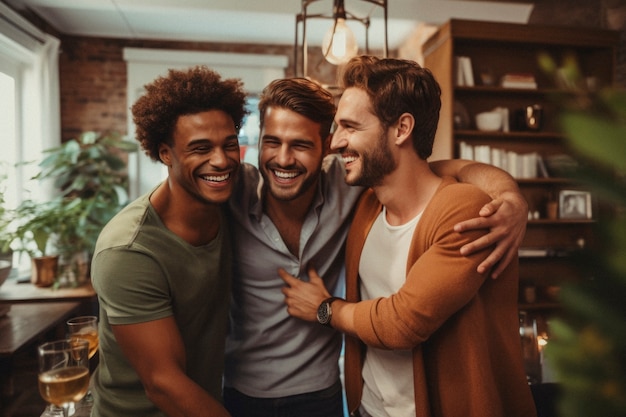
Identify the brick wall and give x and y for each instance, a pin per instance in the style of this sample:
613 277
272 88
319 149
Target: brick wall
93 78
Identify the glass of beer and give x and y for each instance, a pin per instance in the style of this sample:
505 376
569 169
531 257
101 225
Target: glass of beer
85 327
63 372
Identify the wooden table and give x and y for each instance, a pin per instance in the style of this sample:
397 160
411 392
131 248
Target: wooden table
23 325
13 292
27 321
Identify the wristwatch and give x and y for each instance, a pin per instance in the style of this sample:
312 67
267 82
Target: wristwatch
325 312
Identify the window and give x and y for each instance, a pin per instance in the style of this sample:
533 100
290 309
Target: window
29 98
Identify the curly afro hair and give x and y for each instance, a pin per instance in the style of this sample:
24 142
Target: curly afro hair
183 93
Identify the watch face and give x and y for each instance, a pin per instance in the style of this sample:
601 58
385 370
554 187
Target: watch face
323 313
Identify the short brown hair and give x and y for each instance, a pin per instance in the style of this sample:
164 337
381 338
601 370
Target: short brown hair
183 93
302 96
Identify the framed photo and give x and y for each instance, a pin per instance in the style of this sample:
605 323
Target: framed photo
574 204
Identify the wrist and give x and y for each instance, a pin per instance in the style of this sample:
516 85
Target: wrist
325 311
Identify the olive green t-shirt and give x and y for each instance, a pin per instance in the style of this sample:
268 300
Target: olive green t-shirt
142 271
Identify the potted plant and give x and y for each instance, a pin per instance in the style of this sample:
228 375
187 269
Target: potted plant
38 223
90 175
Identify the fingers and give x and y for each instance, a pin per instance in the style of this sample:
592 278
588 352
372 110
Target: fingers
496 235
504 262
471 224
490 208
314 277
490 261
287 277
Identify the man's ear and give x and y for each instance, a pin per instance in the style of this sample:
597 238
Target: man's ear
404 128
164 154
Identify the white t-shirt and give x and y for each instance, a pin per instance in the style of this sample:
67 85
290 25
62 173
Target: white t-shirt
387 374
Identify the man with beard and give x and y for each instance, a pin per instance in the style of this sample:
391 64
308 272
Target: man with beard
162 266
299 214
432 336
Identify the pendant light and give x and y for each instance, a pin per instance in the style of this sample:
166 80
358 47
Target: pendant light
339 44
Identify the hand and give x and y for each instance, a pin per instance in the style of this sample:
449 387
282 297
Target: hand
506 219
303 298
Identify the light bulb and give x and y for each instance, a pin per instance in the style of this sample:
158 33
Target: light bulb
343 45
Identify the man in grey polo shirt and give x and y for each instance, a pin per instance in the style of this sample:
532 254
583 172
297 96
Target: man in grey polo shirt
295 213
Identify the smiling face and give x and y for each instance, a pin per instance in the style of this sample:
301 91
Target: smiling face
361 140
204 157
291 153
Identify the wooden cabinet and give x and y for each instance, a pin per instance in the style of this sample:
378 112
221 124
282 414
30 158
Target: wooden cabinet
496 49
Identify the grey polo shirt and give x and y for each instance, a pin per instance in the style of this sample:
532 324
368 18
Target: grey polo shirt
270 354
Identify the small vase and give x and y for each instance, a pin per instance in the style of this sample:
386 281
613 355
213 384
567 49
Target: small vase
44 270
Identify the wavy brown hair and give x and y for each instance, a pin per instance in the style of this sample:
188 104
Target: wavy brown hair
182 93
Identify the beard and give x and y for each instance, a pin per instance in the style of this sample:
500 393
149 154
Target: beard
376 163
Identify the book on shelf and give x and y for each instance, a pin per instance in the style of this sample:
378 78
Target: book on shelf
542 169
464 72
543 252
521 166
519 80
532 252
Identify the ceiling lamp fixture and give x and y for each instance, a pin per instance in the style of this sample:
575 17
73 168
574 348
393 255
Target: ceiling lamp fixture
339 43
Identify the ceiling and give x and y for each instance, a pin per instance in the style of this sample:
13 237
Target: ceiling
254 21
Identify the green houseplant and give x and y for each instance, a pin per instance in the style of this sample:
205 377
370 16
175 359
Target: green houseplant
588 343
90 175
37 225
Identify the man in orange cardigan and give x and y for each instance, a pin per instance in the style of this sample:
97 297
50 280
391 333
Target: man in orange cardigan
432 336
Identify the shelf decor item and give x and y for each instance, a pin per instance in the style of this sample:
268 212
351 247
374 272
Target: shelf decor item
523 81
489 121
574 204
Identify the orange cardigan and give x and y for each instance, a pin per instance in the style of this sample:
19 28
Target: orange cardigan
463 327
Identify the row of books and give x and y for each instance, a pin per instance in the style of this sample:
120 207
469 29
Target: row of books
527 165
526 81
464 72
465 76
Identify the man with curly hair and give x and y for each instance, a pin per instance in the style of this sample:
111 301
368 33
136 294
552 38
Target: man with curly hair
162 266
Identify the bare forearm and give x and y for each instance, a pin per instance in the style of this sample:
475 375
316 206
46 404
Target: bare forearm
343 317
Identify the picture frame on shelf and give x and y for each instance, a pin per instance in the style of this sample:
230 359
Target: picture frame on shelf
575 204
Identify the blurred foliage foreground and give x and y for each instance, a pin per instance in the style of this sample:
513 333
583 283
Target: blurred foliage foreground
588 343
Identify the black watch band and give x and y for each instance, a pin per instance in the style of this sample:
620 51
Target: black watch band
325 312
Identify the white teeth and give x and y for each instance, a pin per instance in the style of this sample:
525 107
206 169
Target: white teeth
285 175
348 159
216 178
